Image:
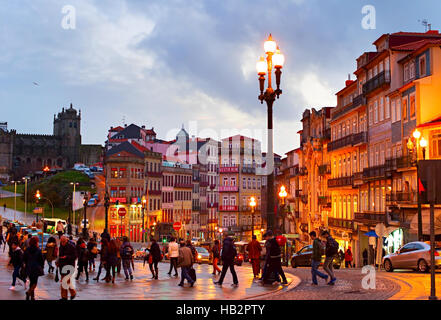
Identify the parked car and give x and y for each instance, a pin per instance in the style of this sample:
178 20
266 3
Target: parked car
52 224
413 255
303 258
140 253
203 255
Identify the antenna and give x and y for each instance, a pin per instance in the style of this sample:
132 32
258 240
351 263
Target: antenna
124 120
426 24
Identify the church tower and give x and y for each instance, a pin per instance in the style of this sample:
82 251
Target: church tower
67 126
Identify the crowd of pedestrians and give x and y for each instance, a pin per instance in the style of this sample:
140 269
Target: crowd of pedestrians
66 257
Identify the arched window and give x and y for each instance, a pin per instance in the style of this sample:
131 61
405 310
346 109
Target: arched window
60 162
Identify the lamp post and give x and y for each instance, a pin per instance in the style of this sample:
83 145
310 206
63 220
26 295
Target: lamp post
26 195
411 147
85 231
253 204
106 216
282 195
15 196
274 57
37 198
144 201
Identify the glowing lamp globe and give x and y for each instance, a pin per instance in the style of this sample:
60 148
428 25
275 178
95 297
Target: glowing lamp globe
278 59
416 134
261 66
423 143
270 45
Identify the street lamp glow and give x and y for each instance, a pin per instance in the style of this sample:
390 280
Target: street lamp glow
282 193
270 45
416 134
253 202
261 66
423 143
220 230
278 59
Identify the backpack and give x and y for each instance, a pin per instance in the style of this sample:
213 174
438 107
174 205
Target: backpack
333 247
127 252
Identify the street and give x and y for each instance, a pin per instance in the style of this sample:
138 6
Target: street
143 287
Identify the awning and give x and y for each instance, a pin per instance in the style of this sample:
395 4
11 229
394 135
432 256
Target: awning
371 234
425 213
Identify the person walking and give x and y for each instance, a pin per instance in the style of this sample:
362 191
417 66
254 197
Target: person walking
155 253
83 259
273 261
17 263
330 252
4 207
103 258
92 253
254 250
112 260
51 253
34 263
348 258
66 266
185 261
173 254
60 228
126 253
118 256
215 251
229 253
317 250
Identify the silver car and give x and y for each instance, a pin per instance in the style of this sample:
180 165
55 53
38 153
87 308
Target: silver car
413 255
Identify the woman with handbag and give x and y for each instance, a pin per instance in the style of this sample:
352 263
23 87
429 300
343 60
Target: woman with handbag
34 263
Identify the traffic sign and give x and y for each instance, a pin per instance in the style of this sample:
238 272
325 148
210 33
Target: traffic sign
38 210
177 226
122 212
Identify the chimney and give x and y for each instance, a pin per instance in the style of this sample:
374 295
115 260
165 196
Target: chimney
432 32
143 127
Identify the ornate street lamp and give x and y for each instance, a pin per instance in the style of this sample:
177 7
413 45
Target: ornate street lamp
276 59
253 204
282 195
85 231
105 234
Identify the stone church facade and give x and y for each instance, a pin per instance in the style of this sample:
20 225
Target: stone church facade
22 154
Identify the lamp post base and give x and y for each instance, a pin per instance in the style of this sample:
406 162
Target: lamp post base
433 298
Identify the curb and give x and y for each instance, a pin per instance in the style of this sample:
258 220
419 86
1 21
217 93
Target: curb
293 284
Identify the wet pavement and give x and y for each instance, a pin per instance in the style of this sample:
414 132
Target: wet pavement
145 288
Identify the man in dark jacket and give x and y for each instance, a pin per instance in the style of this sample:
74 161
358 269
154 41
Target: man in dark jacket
66 265
17 263
228 255
273 261
316 258
126 252
330 253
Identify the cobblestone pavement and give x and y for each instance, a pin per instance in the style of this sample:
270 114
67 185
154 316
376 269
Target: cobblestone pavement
143 287
347 287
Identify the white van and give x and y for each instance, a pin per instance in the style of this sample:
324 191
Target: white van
52 224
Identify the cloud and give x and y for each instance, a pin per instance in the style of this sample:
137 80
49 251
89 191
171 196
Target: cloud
315 91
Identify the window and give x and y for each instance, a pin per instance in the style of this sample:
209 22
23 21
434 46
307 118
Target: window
422 64
394 115
436 144
387 109
371 115
376 111
404 108
412 106
381 110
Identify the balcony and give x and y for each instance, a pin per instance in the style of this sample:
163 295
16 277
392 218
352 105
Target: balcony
325 201
376 82
212 204
228 188
154 174
203 184
228 208
324 169
370 217
408 197
375 173
294 171
229 169
341 223
340 182
248 209
356 102
303 171
404 162
154 192
195 208
350 140
248 170
183 185
298 193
